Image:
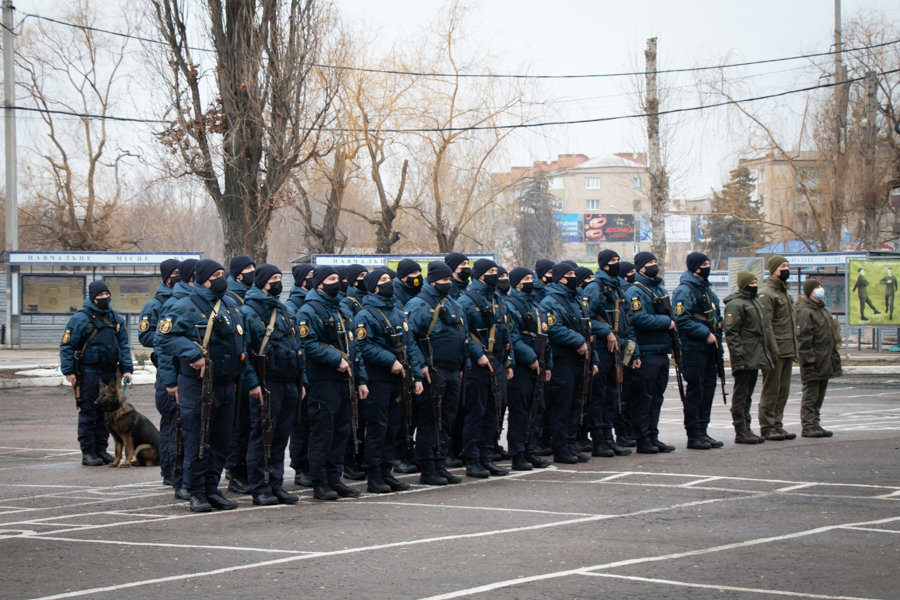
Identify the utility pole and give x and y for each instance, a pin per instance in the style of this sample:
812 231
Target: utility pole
870 187
839 157
9 121
659 180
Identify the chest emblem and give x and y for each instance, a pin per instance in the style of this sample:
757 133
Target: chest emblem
635 304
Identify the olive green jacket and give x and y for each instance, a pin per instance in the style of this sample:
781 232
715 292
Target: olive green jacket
751 342
818 339
779 309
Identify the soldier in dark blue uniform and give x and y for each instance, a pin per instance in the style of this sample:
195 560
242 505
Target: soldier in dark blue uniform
503 285
437 323
542 277
491 357
165 404
698 316
382 333
651 325
299 444
459 267
527 323
97 340
205 326
167 375
570 347
408 282
272 333
350 305
616 347
625 435
332 366
356 291
241 271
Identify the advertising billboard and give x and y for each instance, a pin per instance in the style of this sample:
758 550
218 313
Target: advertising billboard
871 288
608 228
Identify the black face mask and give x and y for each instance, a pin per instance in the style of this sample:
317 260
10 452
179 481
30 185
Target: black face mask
414 282
491 280
528 287
331 289
218 286
752 290
247 278
344 286
704 271
613 270
503 285
546 279
102 303
275 289
173 279
630 278
784 275
651 272
386 289
360 284
465 273
571 283
307 284
443 288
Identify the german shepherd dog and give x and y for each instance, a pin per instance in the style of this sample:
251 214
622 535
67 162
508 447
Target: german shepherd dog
131 430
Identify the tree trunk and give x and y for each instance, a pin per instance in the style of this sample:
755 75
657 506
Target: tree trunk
659 180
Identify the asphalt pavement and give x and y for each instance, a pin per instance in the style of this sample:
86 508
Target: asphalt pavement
807 518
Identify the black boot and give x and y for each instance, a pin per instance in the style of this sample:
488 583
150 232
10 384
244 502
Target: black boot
324 492
698 443
494 469
474 469
520 463
354 474
431 478
565 457
238 485
450 477
285 497
89 459
405 467
612 445
395 484
265 499
376 485
537 462
602 449
303 479
344 491
199 503
220 502
713 443
107 458
626 441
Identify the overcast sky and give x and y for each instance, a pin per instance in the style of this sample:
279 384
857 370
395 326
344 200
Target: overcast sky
599 36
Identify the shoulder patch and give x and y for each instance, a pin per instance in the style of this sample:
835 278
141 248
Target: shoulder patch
304 329
240 329
360 332
679 308
544 327
165 326
585 301
551 320
729 319
635 303
145 324
67 335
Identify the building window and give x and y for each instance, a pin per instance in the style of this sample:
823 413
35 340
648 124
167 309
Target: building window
555 183
592 183
636 183
593 205
636 206
557 204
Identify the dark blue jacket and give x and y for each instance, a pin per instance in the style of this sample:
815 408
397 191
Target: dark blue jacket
318 321
374 324
107 348
177 336
352 302
483 308
450 337
540 290
296 299
526 320
651 322
284 353
458 288
604 295
165 364
150 315
691 300
402 292
236 290
565 312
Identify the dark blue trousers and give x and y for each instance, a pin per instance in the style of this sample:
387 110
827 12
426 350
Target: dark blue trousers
299 445
384 422
201 476
700 374
520 390
236 461
563 401
93 437
284 398
448 386
328 412
167 408
650 383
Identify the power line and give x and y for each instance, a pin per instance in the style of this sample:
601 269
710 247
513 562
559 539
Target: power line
499 127
494 75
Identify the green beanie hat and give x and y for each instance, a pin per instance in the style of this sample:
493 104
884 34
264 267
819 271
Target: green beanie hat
775 262
809 285
745 278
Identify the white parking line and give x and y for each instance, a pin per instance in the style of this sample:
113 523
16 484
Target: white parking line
494 508
726 588
649 559
162 545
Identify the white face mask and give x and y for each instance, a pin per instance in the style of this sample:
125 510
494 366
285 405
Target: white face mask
819 294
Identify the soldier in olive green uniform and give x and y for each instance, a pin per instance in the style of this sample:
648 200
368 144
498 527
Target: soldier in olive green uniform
779 309
818 341
751 345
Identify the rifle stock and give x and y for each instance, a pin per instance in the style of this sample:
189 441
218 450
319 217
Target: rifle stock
351 387
206 405
537 392
676 346
406 386
588 367
266 424
436 401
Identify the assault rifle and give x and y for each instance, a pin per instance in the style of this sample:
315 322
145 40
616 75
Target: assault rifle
709 317
179 439
436 401
495 370
666 302
76 362
406 386
260 362
537 391
344 343
206 398
587 371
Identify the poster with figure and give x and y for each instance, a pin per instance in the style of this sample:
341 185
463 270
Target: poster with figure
608 228
871 289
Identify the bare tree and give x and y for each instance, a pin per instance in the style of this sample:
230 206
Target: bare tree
77 186
271 101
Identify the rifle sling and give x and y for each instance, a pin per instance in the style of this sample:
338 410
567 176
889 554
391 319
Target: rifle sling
208 333
434 318
269 329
